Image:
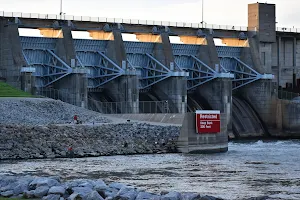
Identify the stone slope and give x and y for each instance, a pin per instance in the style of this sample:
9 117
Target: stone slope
43 111
24 142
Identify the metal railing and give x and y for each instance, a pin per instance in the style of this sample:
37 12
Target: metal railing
135 21
287 95
104 107
63 95
129 107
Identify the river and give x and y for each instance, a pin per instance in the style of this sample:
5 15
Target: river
248 169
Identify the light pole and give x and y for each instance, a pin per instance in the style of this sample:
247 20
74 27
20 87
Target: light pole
202 22
61 12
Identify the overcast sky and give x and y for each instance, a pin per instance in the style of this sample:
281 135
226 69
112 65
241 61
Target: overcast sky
231 12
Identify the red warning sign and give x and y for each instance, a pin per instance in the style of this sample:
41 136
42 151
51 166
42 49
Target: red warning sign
208 121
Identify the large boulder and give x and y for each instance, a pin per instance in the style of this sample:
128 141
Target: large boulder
89 184
117 185
146 195
210 198
28 194
110 193
74 196
94 196
83 192
190 196
8 193
8 187
126 193
6 180
100 186
171 196
51 197
37 182
60 190
21 187
79 183
41 191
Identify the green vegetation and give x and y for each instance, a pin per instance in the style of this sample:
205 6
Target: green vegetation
9 91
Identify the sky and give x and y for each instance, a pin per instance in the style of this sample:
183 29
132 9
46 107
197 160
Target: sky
222 12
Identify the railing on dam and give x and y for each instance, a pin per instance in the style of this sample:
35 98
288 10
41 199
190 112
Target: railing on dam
135 21
106 107
63 95
128 107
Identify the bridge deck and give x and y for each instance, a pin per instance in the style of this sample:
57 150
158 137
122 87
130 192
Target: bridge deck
36 20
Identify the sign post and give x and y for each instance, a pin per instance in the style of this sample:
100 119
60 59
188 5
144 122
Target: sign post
208 121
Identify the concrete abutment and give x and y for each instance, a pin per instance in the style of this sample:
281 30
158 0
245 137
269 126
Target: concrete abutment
11 56
72 87
174 88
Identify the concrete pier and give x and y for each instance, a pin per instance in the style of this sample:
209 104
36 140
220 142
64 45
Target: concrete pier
172 89
261 94
11 56
124 88
218 92
73 87
191 142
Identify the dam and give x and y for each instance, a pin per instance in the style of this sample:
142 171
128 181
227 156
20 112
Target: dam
242 78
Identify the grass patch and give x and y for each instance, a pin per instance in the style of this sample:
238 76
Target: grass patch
9 91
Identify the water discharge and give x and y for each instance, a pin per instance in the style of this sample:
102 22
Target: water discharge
248 169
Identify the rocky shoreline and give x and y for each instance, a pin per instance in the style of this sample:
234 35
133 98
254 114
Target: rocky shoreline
56 141
51 188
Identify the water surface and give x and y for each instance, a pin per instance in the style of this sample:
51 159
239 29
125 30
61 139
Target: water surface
248 169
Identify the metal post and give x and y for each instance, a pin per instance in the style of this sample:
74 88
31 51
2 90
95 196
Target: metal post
294 62
61 12
202 13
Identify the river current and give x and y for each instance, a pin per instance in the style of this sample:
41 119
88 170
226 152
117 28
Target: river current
248 169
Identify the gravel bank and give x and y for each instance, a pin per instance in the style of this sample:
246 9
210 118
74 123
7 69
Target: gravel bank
53 141
42 111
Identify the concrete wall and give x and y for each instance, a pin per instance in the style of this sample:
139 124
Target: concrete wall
65 46
286 59
172 89
11 57
74 86
191 142
262 96
261 17
218 94
124 88
287 118
245 121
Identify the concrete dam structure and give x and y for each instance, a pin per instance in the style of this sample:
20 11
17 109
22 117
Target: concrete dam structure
240 78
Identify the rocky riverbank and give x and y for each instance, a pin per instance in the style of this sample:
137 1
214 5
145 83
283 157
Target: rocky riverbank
54 141
51 188
43 111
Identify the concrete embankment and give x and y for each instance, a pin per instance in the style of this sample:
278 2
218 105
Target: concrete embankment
23 142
